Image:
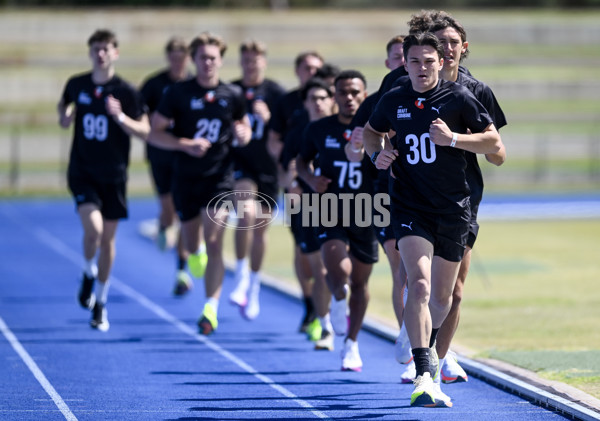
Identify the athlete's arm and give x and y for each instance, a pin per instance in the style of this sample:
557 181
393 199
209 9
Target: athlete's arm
66 114
318 183
487 141
160 137
242 131
497 158
139 128
374 141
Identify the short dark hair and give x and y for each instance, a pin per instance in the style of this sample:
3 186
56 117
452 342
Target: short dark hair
422 38
176 44
103 35
302 56
254 46
328 70
350 74
312 83
447 21
207 38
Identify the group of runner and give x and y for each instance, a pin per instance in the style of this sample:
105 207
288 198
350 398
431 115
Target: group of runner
413 144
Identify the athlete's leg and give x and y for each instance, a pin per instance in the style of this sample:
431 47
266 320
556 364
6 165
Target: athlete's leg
450 324
359 295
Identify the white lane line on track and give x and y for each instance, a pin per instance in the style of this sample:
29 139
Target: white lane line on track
35 370
62 249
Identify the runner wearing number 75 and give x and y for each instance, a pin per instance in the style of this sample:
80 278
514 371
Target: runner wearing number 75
202 119
328 163
106 111
429 192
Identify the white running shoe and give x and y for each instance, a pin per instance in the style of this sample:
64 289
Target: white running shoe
252 309
402 348
239 296
441 399
452 372
351 360
409 372
326 342
339 316
424 391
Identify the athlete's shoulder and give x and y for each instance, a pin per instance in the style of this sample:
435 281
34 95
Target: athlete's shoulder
82 78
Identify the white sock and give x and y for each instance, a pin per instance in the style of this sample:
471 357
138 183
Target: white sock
326 323
102 292
214 303
255 278
90 268
241 265
202 248
405 294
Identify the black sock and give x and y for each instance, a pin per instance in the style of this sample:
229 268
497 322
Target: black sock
434 333
309 307
421 359
180 263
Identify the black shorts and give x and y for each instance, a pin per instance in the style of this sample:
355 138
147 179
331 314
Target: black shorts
192 194
161 165
473 226
110 197
447 232
362 241
304 237
265 183
386 233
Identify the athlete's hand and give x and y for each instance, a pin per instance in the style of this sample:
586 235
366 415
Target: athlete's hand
319 183
385 159
195 147
113 107
440 133
242 133
261 109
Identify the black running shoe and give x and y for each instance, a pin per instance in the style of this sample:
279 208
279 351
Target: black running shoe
87 299
99 320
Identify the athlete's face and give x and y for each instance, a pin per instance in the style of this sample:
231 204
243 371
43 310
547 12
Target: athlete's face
208 61
349 94
395 57
423 66
177 60
103 55
453 45
253 64
308 68
318 103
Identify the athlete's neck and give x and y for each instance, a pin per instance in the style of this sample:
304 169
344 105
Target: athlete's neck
250 81
178 74
451 75
101 76
208 82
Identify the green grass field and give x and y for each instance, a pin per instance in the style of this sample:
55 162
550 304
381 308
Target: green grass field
531 297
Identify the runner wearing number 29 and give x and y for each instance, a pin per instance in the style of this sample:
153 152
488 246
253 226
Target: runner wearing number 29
107 111
208 118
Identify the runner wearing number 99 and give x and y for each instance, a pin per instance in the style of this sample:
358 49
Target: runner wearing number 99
348 246
208 118
107 111
429 192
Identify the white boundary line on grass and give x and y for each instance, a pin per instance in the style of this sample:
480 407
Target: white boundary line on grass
35 370
62 249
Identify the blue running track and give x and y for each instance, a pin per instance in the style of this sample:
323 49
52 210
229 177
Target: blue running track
151 364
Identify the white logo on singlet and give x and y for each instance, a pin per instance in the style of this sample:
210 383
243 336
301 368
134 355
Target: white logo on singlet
437 110
409 226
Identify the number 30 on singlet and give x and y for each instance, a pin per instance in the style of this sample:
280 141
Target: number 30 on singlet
422 149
